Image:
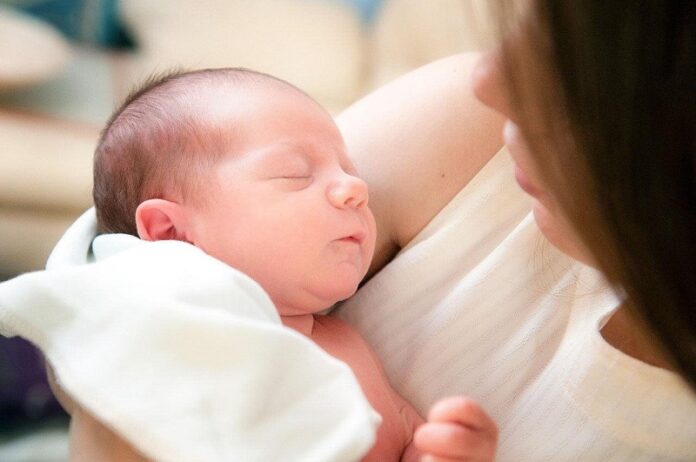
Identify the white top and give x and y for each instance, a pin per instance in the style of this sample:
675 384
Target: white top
479 303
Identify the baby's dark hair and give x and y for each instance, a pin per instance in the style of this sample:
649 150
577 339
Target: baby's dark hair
155 146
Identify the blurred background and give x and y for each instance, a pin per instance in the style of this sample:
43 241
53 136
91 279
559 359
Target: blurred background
65 65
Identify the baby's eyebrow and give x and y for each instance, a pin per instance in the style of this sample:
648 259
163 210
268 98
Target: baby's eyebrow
295 148
308 153
278 149
282 154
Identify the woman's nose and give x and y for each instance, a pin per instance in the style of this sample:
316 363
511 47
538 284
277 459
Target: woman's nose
348 192
488 82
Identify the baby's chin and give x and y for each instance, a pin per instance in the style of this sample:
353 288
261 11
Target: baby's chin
316 302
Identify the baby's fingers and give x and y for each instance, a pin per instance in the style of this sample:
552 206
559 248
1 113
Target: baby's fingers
464 411
450 441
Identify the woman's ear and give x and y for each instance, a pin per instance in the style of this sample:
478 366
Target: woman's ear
161 220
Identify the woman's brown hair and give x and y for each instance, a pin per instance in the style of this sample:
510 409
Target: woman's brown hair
617 94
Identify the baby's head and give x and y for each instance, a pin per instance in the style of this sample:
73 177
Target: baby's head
249 169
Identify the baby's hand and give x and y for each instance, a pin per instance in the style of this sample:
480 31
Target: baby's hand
457 429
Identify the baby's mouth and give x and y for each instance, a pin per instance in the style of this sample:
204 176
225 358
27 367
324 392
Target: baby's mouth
350 239
355 238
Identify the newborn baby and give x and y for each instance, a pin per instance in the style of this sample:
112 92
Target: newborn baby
254 172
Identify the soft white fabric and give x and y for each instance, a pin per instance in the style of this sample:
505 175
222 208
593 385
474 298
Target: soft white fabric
480 304
183 355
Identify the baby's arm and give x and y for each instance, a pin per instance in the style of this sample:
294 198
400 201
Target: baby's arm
411 452
457 429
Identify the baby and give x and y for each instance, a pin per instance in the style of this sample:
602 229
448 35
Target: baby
254 172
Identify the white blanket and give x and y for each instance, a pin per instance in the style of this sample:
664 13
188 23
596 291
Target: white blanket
184 356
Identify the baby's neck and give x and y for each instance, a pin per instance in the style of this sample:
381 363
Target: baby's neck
303 323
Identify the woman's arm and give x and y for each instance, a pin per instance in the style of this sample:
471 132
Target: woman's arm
417 141
90 440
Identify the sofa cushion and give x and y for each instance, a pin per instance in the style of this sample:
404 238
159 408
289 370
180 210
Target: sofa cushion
30 50
316 45
46 163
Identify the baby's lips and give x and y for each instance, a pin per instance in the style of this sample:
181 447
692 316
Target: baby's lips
358 237
361 236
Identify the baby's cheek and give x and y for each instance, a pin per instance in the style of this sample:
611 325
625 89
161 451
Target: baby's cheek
372 225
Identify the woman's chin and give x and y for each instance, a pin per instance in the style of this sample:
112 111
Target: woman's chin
560 234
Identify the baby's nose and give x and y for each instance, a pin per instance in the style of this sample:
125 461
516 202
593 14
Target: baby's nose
349 191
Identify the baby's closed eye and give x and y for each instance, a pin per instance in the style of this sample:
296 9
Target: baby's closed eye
294 180
292 176
290 167
291 170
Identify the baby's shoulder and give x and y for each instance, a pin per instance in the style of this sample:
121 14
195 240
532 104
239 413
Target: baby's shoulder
340 339
330 325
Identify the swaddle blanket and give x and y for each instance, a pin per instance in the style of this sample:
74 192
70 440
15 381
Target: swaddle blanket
184 356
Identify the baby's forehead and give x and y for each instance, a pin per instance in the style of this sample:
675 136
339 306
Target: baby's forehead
238 118
257 110
227 108
232 97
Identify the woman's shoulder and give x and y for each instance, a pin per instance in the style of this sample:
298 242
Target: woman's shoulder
417 141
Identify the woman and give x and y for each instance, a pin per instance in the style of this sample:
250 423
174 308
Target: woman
600 110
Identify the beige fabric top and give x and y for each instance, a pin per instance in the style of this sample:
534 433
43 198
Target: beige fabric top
481 304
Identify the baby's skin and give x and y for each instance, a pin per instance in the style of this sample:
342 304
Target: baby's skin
285 206
399 419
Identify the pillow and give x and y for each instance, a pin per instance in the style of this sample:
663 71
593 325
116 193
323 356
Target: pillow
30 50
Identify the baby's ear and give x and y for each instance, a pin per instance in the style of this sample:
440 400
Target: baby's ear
161 220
